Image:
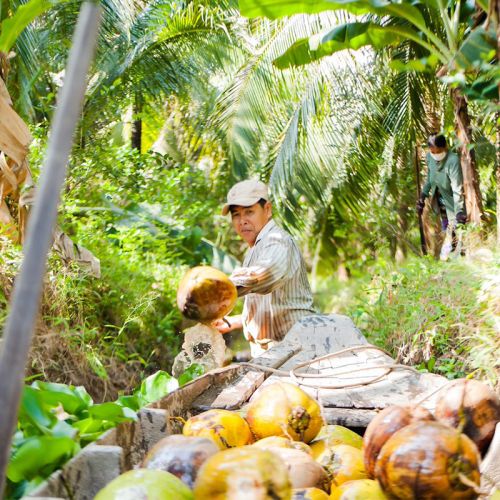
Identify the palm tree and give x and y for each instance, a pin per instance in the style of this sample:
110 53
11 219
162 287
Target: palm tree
441 31
318 133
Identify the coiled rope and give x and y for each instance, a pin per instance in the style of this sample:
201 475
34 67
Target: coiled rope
295 376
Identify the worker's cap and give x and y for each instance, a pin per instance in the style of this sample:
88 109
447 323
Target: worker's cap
245 194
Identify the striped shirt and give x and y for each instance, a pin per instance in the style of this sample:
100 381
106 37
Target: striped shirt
273 280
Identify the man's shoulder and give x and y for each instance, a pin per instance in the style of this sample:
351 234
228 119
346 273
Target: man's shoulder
277 233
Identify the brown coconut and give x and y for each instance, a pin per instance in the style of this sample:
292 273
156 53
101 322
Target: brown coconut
206 294
180 455
472 407
384 425
429 461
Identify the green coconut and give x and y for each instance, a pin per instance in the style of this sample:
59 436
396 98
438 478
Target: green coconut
144 484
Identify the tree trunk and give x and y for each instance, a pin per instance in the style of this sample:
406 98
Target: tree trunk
136 138
317 253
467 158
498 176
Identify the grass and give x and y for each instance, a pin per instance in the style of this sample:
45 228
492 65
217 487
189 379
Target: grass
143 216
105 334
443 317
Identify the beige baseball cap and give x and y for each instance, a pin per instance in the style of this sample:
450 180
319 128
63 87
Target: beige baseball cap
245 194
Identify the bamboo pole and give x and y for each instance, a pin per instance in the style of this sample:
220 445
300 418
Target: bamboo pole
423 243
28 286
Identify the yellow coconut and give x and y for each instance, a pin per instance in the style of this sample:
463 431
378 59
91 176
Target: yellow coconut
245 473
332 435
226 428
303 470
143 483
205 294
309 494
282 442
283 409
343 463
360 489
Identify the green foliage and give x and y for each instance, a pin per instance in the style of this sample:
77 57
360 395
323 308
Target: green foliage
57 420
152 389
11 27
274 9
440 317
194 371
346 36
147 219
467 52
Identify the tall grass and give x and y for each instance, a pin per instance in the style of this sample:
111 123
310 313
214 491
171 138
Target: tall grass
443 317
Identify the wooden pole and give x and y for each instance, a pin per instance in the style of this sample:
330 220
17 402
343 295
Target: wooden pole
423 243
28 286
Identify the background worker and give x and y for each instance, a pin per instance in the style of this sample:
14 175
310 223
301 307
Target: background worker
273 279
444 186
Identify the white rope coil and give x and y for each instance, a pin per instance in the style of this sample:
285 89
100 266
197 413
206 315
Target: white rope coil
295 376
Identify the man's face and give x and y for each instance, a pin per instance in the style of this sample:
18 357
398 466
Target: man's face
437 150
249 221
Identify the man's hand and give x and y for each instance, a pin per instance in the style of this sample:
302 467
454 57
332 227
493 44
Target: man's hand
420 206
228 324
461 218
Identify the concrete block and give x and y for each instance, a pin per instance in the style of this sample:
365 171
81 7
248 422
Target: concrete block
54 487
84 475
140 436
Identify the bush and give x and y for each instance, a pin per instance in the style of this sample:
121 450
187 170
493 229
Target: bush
441 317
147 219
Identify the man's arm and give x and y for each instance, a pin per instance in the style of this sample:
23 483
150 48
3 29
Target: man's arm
268 274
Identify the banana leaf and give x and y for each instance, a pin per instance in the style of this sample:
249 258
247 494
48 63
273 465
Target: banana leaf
346 36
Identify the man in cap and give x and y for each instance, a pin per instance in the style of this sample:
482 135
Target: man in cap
273 278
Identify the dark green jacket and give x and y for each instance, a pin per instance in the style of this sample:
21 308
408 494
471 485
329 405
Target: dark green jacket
446 176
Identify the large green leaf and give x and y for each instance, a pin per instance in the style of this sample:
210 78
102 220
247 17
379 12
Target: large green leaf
112 412
12 27
40 455
479 47
274 9
347 36
157 386
72 399
90 429
33 412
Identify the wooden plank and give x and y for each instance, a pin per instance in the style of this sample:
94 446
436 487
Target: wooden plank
234 396
320 335
399 387
279 354
348 368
